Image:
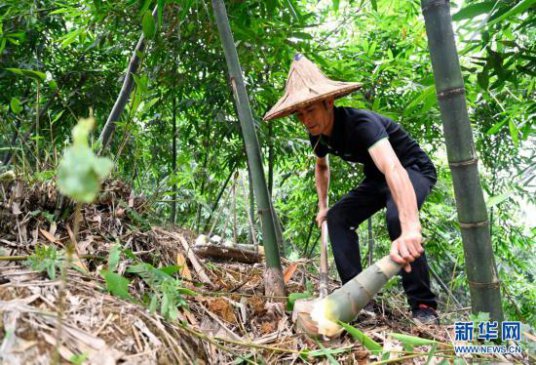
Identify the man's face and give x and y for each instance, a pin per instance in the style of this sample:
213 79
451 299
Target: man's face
316 117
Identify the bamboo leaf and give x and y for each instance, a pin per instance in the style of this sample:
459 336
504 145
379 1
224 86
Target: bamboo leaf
366 341
518 9
328 353
374 4
426 97
148 26
154 304
473 10
36 75
113 257
161 4
3 45
71 37
496 127
16 105
171 269
514 132
336 5
431 354
295 296
116 284
186 291
498 199
410 342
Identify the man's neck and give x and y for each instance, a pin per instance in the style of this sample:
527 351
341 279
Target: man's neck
331 123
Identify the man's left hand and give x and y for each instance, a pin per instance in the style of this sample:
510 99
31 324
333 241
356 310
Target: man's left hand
407 248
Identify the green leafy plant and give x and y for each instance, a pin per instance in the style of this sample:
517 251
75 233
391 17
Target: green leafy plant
167 293
116 284
366 341
292 297
45 259
409 342
79 359
80 171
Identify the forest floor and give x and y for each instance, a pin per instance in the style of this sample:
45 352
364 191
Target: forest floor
140 294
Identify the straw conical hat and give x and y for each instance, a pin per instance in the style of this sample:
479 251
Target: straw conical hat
306 84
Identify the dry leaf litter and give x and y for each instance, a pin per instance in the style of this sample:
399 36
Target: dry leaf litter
227 321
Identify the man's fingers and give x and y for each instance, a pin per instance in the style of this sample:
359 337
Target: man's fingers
407 268
394 254
404 252
420 248
413 251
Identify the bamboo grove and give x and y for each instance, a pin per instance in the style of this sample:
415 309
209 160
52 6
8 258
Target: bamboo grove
178 90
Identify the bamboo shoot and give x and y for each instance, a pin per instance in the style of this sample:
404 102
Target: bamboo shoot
321 316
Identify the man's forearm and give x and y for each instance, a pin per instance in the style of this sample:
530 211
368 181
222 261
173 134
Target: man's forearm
404 196
322 184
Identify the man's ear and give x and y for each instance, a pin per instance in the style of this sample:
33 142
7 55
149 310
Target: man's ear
328 103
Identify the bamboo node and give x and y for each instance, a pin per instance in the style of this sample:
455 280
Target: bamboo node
445 94
471 161
473 224
492 285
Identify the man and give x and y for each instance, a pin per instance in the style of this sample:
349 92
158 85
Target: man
398 176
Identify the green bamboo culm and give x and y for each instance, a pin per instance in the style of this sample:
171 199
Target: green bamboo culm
472 214
273 275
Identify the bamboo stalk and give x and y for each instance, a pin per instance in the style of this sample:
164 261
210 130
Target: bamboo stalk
126 89
273 274
472 214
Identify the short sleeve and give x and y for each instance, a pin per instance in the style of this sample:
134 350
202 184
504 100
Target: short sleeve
369 129
319 149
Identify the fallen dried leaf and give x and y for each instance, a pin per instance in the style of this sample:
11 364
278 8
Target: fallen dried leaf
289 271
184 271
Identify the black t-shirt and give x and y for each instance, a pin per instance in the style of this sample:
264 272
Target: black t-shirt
355 131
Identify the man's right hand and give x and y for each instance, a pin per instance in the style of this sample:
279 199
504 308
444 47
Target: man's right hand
321 216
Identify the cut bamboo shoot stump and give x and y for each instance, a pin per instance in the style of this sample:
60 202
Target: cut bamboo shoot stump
320 317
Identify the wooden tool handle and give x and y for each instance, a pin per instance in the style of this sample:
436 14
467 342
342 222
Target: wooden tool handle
323 284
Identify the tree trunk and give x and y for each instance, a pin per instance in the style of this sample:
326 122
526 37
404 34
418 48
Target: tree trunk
472 214
273 275
124 94
174 161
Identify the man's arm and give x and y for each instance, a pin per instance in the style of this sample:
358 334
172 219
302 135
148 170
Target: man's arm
407 247
322 186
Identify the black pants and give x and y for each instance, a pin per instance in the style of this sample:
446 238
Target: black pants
358 205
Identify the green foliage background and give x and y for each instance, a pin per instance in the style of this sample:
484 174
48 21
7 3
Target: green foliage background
61 59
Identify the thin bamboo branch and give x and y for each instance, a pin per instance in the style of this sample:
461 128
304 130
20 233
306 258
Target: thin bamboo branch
174 160
370 242
445 288
218 197
126 89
